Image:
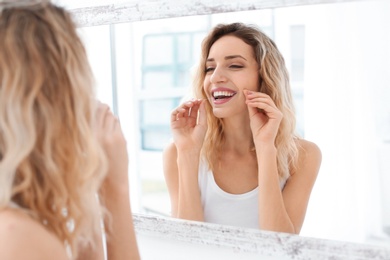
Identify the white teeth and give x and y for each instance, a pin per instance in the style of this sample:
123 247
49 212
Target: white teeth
223 94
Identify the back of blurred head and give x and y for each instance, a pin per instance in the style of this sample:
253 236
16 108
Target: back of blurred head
50 163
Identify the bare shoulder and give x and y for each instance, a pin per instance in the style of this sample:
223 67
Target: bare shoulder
309 157
307 148
18 230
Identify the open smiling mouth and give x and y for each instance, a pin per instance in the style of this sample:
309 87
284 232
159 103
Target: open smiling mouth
222 95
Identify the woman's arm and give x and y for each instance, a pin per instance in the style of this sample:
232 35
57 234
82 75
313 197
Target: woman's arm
183 188
272 212
296 193
114 193
283 212
87 252
181 160
121 239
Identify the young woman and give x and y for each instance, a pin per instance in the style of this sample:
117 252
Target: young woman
59 147
235 158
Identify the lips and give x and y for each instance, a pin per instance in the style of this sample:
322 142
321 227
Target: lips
222 95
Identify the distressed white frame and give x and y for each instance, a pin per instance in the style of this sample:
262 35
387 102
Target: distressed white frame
140 10
266 244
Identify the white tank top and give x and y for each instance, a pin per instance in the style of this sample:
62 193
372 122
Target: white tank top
225 208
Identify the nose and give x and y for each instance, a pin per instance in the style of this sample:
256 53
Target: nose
217 76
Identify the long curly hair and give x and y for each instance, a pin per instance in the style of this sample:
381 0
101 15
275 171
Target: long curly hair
274 81
51 165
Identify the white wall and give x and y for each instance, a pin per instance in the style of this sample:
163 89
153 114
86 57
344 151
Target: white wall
346 91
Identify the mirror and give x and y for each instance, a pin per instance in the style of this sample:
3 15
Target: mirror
339 61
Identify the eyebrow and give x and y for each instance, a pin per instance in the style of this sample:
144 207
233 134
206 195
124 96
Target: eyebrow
228 58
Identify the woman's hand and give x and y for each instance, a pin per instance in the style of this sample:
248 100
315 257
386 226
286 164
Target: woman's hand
188 126
264 116
110 136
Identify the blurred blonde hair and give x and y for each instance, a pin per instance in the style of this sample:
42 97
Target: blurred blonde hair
51 164
274 81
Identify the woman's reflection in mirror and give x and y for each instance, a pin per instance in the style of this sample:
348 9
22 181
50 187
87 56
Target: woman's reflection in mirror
235 158
59 147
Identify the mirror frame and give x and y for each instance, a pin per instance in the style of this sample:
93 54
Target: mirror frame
253 241
138 10
243 240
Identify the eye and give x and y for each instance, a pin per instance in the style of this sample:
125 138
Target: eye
234 66
208 69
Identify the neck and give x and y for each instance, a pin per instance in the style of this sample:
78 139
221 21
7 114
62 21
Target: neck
238 135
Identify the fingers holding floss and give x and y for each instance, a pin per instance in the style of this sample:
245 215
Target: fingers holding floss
187 109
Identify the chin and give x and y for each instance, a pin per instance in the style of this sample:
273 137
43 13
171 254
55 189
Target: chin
227 112
220 113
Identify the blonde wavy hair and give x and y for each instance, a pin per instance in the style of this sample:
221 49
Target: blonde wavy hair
274 81
51 165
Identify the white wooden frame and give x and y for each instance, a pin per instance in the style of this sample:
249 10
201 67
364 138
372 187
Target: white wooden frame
138 10
252 241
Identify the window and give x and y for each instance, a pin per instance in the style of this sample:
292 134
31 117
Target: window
297 67
166 65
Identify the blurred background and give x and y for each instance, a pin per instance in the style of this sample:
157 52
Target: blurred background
338 58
